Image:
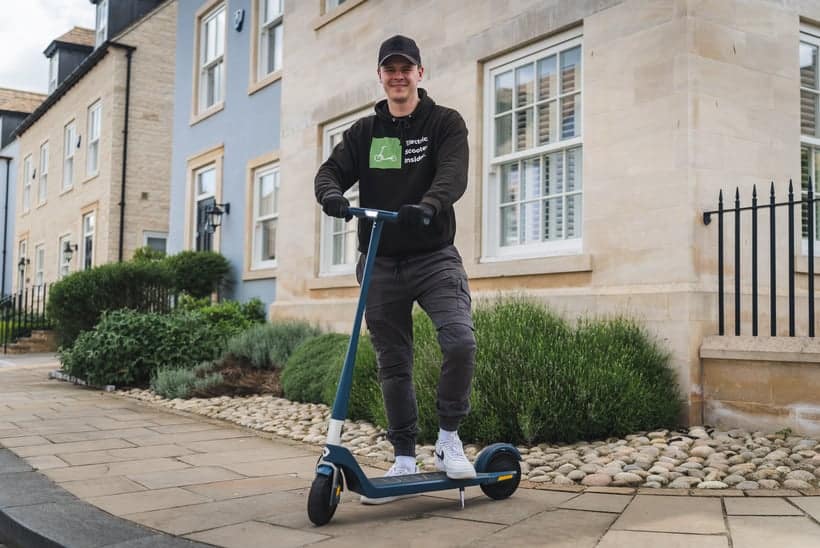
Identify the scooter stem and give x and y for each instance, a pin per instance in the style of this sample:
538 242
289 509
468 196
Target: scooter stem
339 411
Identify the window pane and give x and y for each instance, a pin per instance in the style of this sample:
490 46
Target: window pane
523 129
503 135
509 225
808 113
524 85
547 122
351 242
531 183
554 219
553 173
503 92
267 195
574 164
547 81
277 59
571 70
206 182
531 222
220 33
808 66
338 248
574 216
571 116
509 183
157 244
269 240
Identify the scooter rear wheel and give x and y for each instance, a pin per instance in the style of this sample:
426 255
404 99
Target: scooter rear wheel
320 510
502 462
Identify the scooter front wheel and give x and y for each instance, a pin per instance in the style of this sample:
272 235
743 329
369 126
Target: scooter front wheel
320 509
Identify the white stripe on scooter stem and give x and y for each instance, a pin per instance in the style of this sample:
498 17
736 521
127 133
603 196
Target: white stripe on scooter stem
334 432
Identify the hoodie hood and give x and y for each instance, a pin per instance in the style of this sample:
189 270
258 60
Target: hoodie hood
421 111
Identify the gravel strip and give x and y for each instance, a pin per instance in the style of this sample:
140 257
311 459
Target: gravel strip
699 457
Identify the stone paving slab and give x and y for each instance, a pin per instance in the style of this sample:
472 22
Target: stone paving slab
763 531
209 481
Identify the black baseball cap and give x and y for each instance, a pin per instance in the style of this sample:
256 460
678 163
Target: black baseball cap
400 45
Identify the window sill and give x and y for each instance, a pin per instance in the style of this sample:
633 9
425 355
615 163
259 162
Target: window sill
260 274
335 281
66 190
90 178
326 18
274 76
561 264
41 204
196 118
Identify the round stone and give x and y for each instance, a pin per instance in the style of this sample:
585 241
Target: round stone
712 485
628 478
701 451
801 475
683 482
796 484
576 475
596 480
769 484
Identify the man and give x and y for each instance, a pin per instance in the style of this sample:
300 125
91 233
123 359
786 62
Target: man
410 157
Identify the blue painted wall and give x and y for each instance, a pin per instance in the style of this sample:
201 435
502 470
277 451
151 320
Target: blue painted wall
10 245
248 126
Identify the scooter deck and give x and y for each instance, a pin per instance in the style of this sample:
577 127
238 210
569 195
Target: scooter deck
428 481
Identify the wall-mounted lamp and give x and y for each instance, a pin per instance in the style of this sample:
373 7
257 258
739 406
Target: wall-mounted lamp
68 251
215 213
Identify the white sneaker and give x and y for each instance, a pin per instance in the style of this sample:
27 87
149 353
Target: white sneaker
450 458
395 470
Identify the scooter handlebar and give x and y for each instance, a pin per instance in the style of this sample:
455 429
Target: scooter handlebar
364 212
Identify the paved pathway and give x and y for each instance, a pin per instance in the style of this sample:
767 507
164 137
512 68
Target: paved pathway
204 481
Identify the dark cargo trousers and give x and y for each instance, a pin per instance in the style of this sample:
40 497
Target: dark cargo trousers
437 281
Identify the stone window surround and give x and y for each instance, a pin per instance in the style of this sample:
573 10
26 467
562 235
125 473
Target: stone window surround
96 105
491 252
204 11
69 129
214 155
90 209
809 34
63 266
256 82
25 166
42 179
253 165
326 17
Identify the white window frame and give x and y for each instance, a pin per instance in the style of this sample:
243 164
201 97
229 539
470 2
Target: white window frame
326 265
39 266
69 146
201 196
217 63
492 251
331 5
270 26
87 234
92 164
27 175
42 186
156 235
53 70
257 263
810 35
63 265
101 34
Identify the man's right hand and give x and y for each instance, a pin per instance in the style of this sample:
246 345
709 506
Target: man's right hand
336 205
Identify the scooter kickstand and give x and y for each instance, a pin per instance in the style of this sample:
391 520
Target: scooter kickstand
461 496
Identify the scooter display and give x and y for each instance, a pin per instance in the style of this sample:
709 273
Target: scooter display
498 471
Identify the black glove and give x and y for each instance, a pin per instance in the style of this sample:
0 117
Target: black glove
337 205
415 215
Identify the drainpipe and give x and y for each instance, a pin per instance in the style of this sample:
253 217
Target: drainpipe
5 226
129 50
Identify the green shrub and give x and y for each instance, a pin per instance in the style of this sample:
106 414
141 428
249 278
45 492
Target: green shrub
198 273
127 347
148 254
76 302
312 374
269 345
173 382
537 379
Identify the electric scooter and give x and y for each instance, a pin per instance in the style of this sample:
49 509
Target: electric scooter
498 471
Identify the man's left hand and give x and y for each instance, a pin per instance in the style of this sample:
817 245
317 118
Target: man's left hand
415 215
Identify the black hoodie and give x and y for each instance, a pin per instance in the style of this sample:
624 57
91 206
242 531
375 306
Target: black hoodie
419 158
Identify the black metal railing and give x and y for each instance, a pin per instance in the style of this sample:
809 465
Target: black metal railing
23 312
736 211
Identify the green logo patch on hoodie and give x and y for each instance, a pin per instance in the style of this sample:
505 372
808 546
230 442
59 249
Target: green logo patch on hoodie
385 153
